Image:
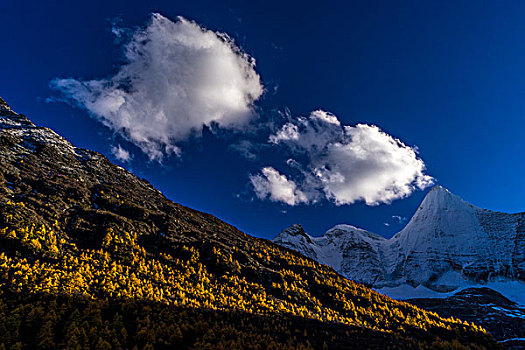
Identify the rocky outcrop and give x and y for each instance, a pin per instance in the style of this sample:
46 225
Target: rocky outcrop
504 319
87 194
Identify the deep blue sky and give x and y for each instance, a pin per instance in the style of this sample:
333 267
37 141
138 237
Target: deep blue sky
448 77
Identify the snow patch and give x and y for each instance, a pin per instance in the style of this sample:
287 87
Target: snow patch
512 290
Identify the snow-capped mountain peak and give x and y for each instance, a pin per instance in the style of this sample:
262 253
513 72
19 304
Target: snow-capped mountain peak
441 213
438 200
447 244
294 230
296 238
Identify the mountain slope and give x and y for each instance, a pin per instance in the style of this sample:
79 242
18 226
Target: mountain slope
447 244
84 242
500 316
353 252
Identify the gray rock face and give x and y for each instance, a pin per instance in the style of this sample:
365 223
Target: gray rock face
447 244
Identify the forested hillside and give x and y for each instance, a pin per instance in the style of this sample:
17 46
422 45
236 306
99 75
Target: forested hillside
93 257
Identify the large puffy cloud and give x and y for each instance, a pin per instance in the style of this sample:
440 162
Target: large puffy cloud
346 164
177 78
275 186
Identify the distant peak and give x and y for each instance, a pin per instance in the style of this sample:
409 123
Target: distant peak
439 197
341 228
295 229
345 229
438 188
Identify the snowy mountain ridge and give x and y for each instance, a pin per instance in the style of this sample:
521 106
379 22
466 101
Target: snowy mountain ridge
448 244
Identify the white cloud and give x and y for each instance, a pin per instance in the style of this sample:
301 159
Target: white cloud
400 219
121 154
271 184
369 165
309 134
177 77
346 164
288 132
324 117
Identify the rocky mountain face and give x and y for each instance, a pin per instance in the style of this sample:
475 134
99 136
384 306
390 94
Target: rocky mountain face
351 251
93 257
447 244
87 194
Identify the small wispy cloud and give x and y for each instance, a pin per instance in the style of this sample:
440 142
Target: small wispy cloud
121 154
178 77
399 219
277 187
246 149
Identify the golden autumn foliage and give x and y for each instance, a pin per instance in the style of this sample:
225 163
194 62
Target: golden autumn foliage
132 274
